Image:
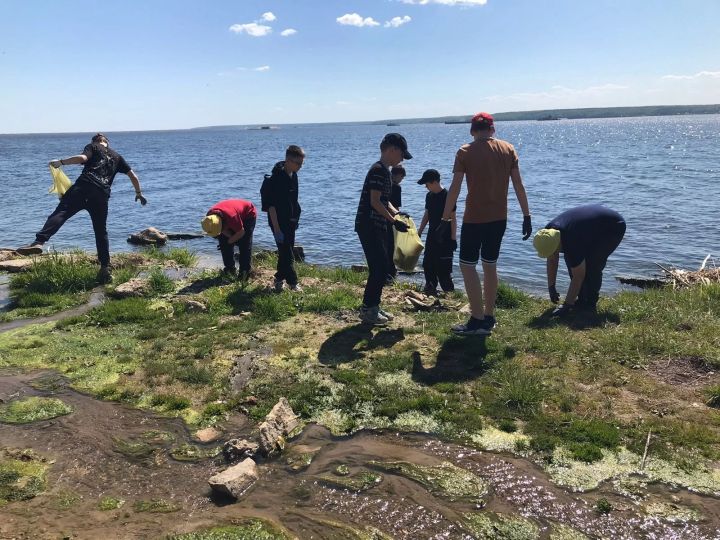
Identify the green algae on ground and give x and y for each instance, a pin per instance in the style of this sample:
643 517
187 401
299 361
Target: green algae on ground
342 470
496 440
299 457
491 526
23 475
343 531
33 409
251 529
156 506
193 453
446 480
133 449
357 482
565 532
110 503
674 513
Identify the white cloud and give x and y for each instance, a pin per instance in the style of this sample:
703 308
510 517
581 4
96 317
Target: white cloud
398 21
559 92
251 29
465 3
353 19
698 75
262 68
268 16
288 32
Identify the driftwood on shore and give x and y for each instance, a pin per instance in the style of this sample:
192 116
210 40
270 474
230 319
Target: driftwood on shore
676 277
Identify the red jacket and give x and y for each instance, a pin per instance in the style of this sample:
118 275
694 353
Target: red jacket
233 212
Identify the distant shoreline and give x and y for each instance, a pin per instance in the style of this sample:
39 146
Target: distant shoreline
545 114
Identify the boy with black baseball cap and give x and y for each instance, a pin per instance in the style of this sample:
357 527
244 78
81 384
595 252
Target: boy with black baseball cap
437 261
375 214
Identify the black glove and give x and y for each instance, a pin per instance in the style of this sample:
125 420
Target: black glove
400 226
453 245
562 310
441 232
527 227
554 295
139 197
403 214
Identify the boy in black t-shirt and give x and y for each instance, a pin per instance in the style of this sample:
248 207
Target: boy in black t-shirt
398 174
375 214
437 262
91 192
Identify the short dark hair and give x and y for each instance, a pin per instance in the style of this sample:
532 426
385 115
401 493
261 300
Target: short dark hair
398 170
99 137
294 151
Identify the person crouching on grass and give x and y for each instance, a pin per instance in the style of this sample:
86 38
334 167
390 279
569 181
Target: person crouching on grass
232 222
438 258
375 215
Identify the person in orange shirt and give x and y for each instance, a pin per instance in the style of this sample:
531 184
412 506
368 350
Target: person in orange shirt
488 164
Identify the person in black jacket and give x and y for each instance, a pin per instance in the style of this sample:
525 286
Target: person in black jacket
279 196
91 192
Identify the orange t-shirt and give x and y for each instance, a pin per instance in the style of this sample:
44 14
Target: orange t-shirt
486 164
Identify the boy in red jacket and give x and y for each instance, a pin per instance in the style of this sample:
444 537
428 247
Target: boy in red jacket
232 222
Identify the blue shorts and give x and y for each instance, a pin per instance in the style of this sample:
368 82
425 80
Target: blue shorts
481 241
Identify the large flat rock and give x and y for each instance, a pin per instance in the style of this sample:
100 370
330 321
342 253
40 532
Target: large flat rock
16 265
237 480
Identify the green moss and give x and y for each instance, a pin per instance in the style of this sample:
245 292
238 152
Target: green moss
33 409
110 503
249 529
170 402
357 482
127 310
193 453
491 526
445 480
156 506
23 475
132 448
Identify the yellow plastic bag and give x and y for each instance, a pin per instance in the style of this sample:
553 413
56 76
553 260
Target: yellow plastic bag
61 183
408 246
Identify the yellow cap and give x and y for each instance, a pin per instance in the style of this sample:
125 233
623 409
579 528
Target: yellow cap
212 224
546 242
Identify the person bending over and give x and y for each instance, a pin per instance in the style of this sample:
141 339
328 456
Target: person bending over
91 192
586 236
232 222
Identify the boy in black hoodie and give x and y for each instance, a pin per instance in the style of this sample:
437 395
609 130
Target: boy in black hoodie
279 196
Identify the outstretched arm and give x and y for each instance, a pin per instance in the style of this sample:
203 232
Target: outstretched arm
74 160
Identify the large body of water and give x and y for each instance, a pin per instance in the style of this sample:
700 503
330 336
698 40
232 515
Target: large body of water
661 173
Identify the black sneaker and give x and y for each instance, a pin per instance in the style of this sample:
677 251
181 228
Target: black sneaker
36 248
476 327
104 276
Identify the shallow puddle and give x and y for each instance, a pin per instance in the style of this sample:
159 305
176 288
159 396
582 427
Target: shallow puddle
105 450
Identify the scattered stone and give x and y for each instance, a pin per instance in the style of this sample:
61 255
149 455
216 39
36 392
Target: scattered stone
208 435
301 456
236 449
16 265
193 306
242 371
278 425
358 483
149 236
135 288
445 480
236 480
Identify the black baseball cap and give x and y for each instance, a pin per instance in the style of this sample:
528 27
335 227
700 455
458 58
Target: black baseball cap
431 175
395 139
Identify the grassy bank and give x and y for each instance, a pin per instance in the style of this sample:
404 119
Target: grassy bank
578 396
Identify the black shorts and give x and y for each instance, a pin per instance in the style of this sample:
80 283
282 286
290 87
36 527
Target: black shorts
481 241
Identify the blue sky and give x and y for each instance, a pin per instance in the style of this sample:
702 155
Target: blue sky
165 64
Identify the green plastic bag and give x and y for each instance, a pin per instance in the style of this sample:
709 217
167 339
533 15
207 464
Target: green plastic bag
61 183
408 246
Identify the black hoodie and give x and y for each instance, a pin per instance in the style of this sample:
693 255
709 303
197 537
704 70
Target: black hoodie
281 191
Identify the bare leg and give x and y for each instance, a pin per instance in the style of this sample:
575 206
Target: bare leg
473 289
490 283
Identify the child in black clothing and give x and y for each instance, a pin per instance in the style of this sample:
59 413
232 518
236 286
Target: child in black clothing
397 173
437 262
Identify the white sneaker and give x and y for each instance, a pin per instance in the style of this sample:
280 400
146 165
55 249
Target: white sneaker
372 316
296 288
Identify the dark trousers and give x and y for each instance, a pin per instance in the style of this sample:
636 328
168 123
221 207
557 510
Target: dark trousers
595 263
374 244
437 265
286 258
390 248
227 250
81 196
